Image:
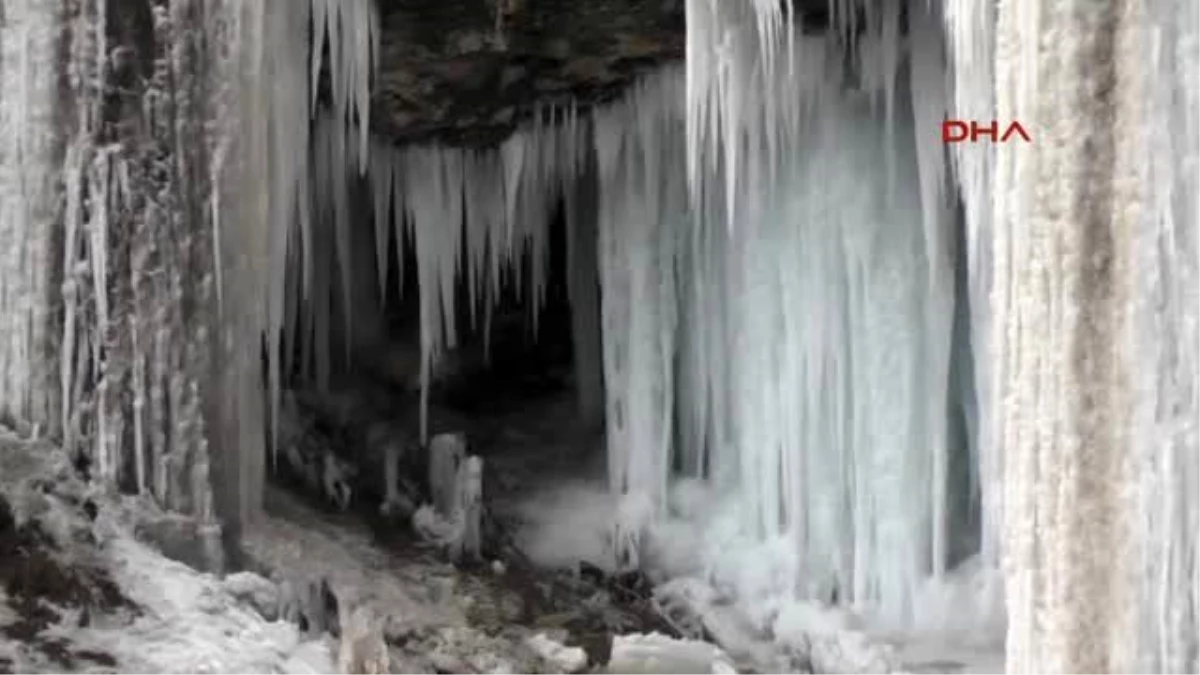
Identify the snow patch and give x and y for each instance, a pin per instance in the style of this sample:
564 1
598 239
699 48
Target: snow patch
657 653
564 659
192 622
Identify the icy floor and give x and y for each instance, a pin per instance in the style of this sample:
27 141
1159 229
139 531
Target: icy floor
570 520
184 621
180 620
192 623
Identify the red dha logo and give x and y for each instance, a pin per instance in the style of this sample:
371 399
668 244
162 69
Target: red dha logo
957 131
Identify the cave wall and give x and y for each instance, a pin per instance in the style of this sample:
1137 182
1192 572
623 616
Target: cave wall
148 364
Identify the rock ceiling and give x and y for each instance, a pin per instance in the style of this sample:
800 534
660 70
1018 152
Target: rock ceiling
466 71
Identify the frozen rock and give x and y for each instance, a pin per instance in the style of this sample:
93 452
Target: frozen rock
309 603
182 539
657 653
363 648
337 478
562 658
259 592
830 640
469 507
455 518
446 455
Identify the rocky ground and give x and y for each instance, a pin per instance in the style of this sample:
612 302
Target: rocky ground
88 583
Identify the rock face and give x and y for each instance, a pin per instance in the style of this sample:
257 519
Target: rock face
466 71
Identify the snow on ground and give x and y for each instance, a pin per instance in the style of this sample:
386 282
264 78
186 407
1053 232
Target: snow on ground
192 623
172 618
159 616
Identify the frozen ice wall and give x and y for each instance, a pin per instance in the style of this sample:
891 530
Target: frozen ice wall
155 168
783 327
1167 336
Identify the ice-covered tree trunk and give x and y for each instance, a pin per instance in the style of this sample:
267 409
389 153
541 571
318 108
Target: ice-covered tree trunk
1065 211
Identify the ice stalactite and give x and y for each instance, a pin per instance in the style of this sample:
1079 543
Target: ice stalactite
350 30
30 112
258 189
476 218
1167 337
343 56
970 33
334 277
643 215
742 104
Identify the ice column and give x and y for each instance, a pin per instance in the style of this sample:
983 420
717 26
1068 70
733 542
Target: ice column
1167 254
31 146
1065 213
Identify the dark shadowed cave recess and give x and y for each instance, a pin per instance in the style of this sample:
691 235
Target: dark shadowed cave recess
517 407
498 379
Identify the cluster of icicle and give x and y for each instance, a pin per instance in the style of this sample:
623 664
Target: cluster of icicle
775 243
479 216
807 288
166 220
97 282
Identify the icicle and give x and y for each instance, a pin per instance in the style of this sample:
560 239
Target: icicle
970 37
821 227
98 248
740 105
381 189
640 210
927 77
353 33
496 206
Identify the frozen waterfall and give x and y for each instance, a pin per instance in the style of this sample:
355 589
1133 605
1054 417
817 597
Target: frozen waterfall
792 346
882 356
